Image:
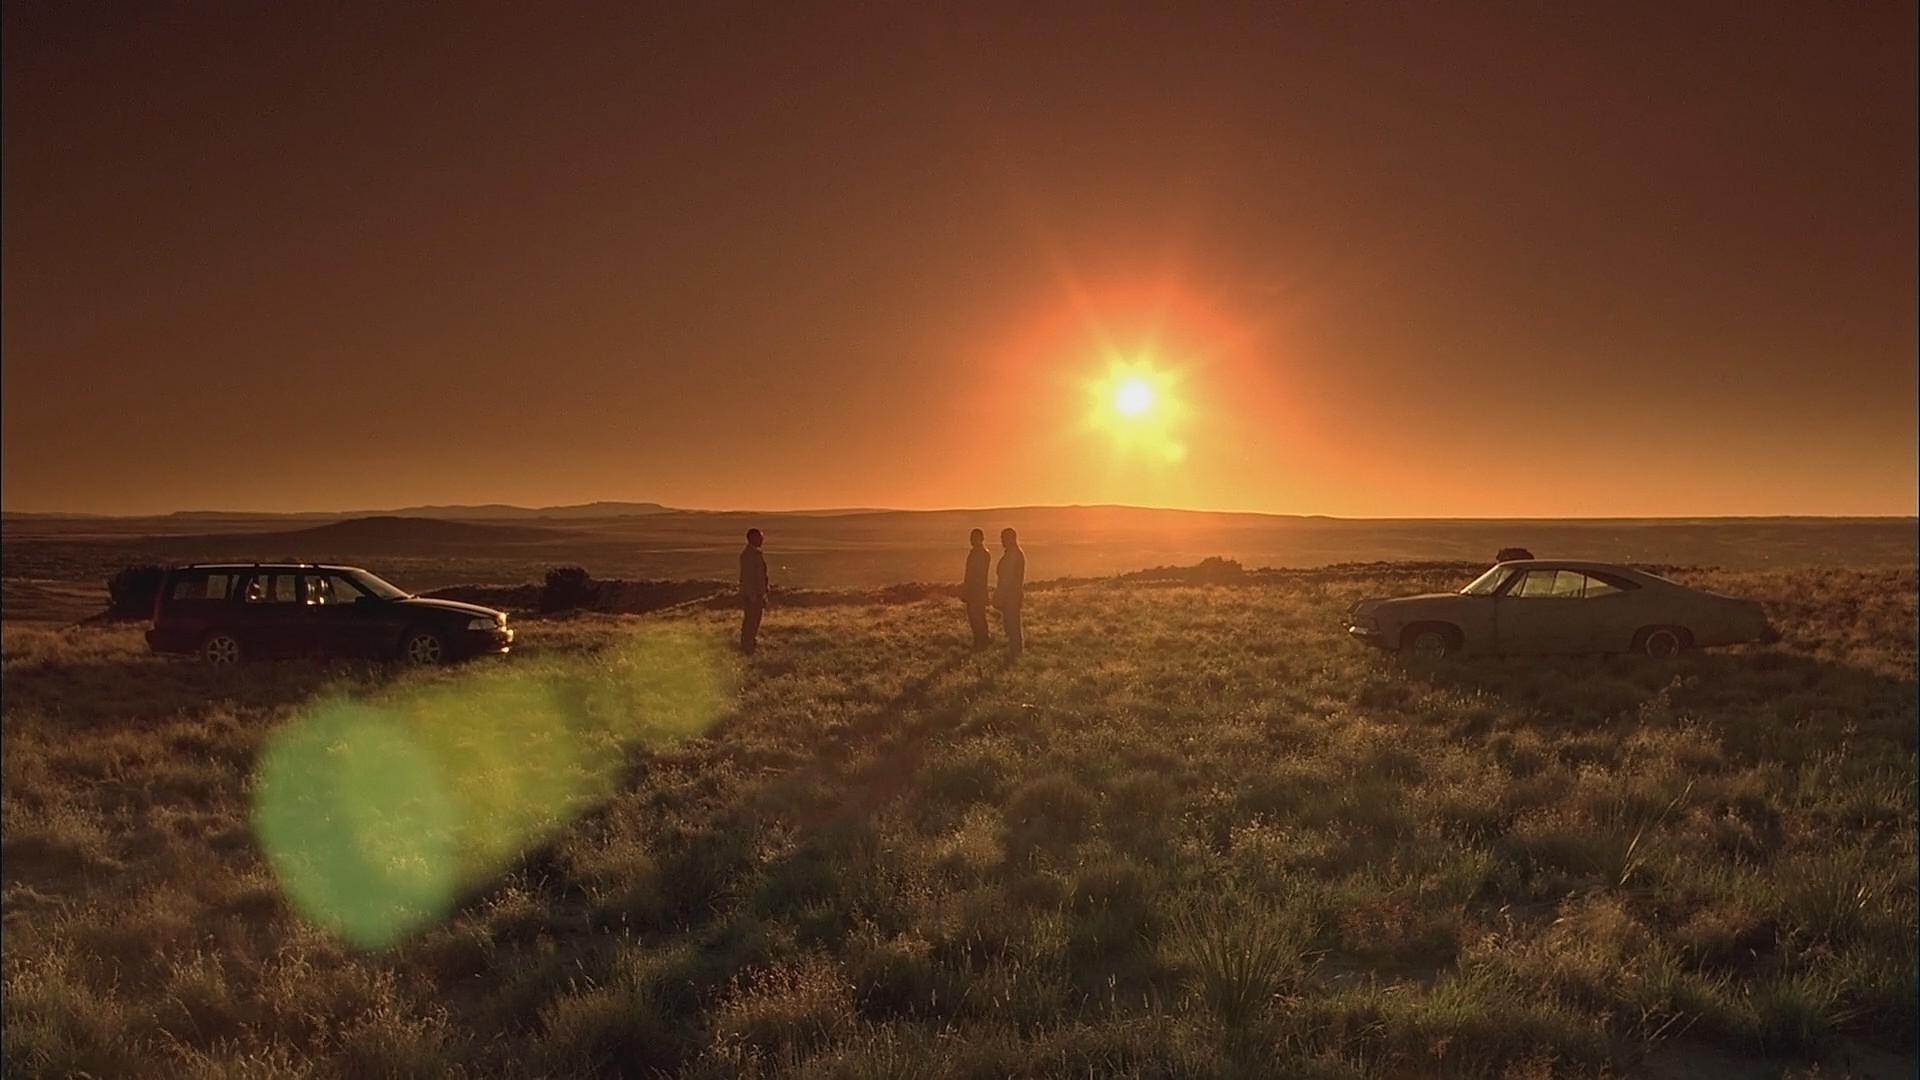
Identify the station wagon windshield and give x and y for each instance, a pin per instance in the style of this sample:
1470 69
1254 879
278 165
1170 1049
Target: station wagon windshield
385 590
1488 583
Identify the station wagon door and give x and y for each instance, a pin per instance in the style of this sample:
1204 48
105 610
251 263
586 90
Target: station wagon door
347 621
197 602
271 619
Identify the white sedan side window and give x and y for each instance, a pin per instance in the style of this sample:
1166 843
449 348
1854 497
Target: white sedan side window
1535 585
1568 584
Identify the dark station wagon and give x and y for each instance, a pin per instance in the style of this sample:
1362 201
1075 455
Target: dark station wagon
224 613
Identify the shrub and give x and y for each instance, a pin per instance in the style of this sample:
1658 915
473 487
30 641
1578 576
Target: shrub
1212 570
131 592
794 1007
1052 812
568 588
1238 963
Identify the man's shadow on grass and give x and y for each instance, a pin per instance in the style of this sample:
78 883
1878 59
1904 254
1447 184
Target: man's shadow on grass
826 804
900 730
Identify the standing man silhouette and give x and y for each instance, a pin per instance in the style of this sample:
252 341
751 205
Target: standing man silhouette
973 588
753 589
1012 586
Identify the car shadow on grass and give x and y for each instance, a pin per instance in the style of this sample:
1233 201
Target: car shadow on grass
112 690
1746 694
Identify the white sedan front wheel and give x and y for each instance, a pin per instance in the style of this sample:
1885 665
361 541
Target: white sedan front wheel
1428 646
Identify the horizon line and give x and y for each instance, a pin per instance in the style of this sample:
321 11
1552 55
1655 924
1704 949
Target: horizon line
854 510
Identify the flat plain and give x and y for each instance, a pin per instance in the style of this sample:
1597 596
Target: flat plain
44 558
1192 832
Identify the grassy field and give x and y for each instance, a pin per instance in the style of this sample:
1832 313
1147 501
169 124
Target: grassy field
1192 832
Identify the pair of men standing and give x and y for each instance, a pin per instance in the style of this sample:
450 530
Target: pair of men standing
1007 597
973 590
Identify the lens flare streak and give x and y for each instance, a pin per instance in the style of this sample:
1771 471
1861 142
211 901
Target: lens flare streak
376 814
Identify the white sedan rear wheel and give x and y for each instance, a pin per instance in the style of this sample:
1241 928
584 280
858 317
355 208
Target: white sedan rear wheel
1661 643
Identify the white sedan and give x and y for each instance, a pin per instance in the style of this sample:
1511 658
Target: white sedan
1554 606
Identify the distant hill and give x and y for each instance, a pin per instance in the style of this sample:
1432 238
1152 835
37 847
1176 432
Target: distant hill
503 511
384 534
482 512
29 515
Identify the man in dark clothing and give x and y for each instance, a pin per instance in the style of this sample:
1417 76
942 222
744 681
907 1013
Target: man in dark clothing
1012 588
973 589
753 589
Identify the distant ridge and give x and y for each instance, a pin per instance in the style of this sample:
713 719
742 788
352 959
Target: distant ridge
384 533
480 512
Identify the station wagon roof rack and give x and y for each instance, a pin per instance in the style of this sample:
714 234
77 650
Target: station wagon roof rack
247 565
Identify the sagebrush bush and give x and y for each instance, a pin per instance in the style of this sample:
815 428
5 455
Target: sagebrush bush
131 591
568 588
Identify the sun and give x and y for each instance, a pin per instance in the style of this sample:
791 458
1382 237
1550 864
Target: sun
1133 398
1137 408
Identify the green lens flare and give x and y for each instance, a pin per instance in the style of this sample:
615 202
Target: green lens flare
355 819
375 814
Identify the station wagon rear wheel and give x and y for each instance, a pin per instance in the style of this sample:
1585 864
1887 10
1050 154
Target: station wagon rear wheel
423 648
220 650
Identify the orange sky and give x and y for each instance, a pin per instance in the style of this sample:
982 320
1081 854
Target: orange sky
1394 260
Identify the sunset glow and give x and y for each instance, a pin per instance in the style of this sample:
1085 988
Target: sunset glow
959 258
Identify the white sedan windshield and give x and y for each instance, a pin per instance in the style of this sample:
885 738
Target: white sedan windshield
1488 583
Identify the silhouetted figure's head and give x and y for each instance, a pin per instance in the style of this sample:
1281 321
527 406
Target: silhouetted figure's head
976 538
754 537
1009 538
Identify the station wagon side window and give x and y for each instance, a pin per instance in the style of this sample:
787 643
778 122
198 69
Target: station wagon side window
333 590
274 589
201 586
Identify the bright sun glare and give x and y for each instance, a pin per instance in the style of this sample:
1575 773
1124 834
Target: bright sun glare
1137 405
1133 398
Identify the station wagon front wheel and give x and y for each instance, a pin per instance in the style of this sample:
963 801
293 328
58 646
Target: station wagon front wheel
423 648
220 650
